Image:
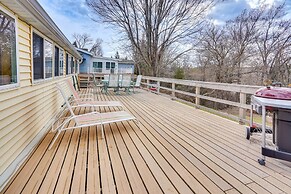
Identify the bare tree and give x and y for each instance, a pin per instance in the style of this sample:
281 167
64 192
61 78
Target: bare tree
96 48
83 40
216 47
257 42
153 26
242 32
273 39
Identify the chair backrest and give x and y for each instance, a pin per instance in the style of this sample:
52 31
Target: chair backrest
74 92
126 79
66 97
138 80
106 78
113 80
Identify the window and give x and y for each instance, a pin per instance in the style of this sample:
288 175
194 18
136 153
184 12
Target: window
97 66
67 64
61 62
76 66
8 66
72 65
112 65
107 65
42 58
57 61
48 57
37 57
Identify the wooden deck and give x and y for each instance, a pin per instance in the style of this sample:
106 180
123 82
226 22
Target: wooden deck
179 149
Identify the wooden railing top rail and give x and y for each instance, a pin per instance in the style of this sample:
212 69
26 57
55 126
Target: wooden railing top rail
247 89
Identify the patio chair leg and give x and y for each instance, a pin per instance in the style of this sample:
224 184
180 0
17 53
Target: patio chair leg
117 91
127 90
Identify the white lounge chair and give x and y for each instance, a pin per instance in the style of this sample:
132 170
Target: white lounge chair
89 102
89 119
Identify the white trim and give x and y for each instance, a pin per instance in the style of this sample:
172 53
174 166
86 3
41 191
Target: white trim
15 17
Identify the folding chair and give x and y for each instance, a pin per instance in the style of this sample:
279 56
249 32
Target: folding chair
113 83
126 82
137 83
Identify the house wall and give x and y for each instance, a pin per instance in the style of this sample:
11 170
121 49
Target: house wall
104 70
125 68
85 65
26 110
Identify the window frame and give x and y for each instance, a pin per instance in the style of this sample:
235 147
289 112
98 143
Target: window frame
107 62
76 66
112 63
61 50
67 63
54 74
17 84
72 64
33 30
53 58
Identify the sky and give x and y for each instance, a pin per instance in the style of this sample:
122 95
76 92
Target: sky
72 16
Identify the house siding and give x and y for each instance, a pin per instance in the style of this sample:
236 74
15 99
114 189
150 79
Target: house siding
25 111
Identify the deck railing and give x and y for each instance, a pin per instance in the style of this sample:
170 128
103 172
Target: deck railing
243 90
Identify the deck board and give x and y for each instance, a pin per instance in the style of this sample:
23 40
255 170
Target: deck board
177 149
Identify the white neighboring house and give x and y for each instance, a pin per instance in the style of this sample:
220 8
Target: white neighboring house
103 65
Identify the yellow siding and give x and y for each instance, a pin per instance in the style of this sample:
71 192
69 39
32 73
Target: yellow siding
27 109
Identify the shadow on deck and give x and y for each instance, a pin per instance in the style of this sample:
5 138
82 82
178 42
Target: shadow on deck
179 149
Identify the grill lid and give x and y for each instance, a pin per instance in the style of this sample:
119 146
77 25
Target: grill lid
274 93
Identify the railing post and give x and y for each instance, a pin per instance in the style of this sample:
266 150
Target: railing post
197 99
158 86
242 111
148 82
173 90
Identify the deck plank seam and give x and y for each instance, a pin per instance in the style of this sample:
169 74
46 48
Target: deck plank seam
114 138
199 151
114 98
183 154
168 162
